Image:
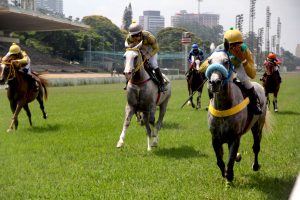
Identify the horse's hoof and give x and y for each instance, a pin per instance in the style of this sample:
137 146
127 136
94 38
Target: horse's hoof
238 157
228 184
149 149
154 144
276 110
45 116
9 130
255 167
120 144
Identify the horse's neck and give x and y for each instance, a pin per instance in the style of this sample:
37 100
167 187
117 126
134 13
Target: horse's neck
228 96
140 75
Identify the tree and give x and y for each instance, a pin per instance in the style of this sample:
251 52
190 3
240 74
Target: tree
111 35
127 17
169 39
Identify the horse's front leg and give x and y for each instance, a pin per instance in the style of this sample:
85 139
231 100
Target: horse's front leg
233 150
199 100
275 102
146 117
129 111
217 145
14 120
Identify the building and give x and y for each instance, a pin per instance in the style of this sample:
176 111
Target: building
152 21
183 17
297 53
55 6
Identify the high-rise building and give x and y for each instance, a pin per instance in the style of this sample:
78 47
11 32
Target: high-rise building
183 17
55 6
297 53
152 21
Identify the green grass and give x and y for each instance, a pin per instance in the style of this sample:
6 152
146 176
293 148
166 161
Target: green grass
72 154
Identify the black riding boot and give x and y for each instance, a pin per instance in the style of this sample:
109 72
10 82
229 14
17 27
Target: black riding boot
159 76
254 101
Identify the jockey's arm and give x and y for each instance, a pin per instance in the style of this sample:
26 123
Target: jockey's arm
154 45
23 61
248 64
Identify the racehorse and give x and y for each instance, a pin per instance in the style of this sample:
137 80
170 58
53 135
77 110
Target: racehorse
19 93
228 115
271 82
195 82
142 96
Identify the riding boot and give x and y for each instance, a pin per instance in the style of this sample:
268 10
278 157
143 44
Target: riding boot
254 101
159 76
263 78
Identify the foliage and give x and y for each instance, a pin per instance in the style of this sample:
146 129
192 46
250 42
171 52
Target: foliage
214 34
127 17
169 39
289 60
111 35
72 155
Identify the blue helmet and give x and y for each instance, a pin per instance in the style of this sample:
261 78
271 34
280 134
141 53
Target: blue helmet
195 46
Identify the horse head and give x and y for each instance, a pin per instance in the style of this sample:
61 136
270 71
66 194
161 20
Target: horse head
269 67
7 69
218 71
196 62
133 60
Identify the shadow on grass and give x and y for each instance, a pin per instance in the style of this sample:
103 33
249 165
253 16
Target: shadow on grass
287 112
170 125
45 129
273 187
180 152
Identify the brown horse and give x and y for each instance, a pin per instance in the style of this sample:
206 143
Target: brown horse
19 92
195 82
271 82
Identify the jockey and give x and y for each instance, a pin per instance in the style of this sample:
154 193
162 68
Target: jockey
196 52
242 60
149 49
22 61
272 58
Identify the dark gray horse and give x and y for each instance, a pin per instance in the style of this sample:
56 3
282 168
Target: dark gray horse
142 96
229 117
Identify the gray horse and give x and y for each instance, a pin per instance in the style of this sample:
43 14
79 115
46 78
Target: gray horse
229 117
143 96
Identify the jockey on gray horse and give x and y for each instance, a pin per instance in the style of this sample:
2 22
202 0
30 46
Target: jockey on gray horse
242 60
149 49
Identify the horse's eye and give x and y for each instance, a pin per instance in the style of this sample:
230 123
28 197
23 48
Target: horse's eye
226 62
209 61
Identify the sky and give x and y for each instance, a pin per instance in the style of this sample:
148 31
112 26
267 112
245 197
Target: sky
288 11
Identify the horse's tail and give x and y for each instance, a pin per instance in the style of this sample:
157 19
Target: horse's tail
44 83
269 122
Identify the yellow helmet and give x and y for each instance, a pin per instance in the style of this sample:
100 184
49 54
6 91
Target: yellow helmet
233 36
14 49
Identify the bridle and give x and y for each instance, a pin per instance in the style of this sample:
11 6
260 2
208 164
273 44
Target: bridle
12 71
